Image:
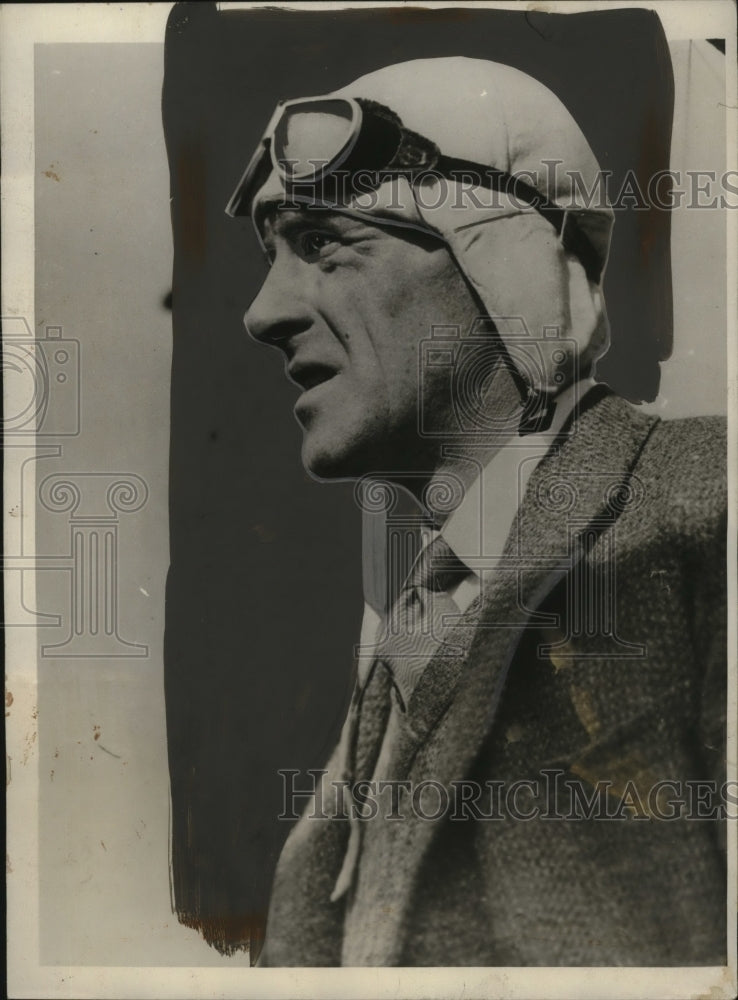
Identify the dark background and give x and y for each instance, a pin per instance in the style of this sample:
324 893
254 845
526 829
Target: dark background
264 596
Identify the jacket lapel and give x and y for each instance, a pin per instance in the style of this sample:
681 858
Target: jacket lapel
581 486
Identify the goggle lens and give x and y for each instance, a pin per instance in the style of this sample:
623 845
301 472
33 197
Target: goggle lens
307 141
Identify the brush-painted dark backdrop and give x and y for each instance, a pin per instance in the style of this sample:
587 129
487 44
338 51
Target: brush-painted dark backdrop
264 595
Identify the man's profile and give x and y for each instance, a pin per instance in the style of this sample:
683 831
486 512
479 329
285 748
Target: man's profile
541 668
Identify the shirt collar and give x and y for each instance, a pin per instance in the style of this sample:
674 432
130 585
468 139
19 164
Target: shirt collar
478 528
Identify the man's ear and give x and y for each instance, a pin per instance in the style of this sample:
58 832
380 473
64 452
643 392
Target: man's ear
588 324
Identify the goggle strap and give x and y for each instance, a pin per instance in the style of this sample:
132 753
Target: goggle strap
563 220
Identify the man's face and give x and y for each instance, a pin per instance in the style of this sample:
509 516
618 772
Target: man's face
348 303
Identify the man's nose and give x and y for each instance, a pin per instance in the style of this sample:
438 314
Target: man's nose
279 310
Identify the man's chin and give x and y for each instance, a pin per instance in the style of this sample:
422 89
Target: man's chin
326 466
330 463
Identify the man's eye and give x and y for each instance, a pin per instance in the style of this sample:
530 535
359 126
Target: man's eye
313 244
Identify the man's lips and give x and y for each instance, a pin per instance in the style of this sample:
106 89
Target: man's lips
309 374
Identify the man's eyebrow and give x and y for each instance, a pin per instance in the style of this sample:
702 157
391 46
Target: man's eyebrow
280 219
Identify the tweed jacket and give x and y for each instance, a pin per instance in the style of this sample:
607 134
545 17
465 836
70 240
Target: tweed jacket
564 704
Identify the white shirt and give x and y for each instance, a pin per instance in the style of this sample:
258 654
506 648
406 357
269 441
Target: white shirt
478 528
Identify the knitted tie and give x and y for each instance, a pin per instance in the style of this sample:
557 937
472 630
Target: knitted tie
412 637
415 625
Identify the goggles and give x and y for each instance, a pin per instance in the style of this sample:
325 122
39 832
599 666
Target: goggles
322 140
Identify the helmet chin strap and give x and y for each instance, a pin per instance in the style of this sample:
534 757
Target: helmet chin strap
550 330
538 404
539 407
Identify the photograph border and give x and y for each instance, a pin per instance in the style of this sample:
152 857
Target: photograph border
23 26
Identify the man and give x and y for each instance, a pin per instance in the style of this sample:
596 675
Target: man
532 700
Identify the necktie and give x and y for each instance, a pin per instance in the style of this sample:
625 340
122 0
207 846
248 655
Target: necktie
413 635
414 628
